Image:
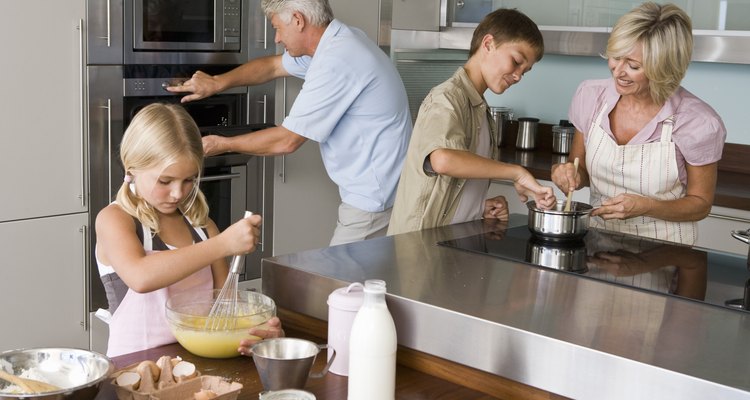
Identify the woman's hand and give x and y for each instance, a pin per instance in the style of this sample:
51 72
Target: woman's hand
273 329
565 178
623 206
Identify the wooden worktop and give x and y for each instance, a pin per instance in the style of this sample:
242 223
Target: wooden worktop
732 186
411 384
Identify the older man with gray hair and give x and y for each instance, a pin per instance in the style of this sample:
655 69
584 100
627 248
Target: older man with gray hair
352 102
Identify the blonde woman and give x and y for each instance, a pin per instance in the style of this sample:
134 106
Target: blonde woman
156 239
648 147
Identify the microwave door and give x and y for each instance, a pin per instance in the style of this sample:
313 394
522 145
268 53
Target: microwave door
179 25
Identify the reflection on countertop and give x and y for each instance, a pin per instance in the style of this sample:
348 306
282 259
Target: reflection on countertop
641 263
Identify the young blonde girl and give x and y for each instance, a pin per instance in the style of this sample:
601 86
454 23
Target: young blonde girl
156 239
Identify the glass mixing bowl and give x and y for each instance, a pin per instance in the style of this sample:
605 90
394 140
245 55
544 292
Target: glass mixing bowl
187 314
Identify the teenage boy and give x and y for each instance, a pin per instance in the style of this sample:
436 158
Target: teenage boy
452 153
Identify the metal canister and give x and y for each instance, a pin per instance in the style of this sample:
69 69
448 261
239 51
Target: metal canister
286 394
526 139
562 139
502 116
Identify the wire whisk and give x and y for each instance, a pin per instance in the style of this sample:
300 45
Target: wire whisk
225 309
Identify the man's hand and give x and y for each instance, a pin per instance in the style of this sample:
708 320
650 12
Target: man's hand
201 85
214 144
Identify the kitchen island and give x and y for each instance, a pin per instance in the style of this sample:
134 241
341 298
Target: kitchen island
527 325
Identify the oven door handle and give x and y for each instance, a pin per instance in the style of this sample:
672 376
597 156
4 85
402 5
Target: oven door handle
220 177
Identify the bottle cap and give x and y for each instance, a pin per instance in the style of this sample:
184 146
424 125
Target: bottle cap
348 298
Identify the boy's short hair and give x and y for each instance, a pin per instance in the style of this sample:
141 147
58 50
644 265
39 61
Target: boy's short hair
506 26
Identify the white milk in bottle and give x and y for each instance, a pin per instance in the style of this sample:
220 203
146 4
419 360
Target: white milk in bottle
372 348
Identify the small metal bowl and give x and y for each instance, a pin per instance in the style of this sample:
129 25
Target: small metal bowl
557 224
78 372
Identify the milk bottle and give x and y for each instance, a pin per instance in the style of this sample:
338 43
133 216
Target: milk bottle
372 348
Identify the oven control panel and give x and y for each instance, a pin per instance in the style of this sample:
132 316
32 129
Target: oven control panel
139 87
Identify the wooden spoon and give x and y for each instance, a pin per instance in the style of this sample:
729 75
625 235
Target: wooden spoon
570 192
29 386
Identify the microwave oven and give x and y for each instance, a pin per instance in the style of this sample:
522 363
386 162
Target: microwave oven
188 31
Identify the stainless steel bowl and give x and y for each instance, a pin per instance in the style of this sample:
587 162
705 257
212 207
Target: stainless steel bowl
556 224
78 372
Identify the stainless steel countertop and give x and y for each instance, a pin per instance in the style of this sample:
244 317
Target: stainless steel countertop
576 337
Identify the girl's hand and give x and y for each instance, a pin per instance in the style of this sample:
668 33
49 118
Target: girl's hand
242 236
273 329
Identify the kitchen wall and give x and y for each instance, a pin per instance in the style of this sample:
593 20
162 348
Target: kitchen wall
545 92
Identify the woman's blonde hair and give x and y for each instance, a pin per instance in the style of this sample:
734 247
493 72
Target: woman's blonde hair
665 33
158 136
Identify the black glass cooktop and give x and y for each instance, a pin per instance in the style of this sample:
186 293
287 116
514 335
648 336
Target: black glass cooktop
716 278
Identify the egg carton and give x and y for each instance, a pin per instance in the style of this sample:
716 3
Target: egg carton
190 389
221 387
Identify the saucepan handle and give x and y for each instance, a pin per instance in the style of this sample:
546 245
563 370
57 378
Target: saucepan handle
742 235
328 365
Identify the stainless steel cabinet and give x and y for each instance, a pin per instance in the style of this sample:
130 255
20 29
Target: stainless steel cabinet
305 205
42 282
572 27
104 35
43 213
43 139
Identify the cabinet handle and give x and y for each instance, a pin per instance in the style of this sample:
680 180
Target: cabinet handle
82 114
109 26
263 203
283 107
220 177
86 271
265 34
108 107
730 218
265 107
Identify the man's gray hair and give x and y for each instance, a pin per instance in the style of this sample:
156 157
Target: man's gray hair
316 12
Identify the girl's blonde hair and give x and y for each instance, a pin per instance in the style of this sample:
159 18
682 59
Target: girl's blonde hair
665 33
159 136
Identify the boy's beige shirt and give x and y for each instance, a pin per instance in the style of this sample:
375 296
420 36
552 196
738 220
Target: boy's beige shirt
450 117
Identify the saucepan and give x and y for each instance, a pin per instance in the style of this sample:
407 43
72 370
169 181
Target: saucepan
557 224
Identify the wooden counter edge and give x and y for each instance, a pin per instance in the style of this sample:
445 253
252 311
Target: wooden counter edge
462 375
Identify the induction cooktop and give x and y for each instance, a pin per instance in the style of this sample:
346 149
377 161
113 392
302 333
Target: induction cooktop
712 277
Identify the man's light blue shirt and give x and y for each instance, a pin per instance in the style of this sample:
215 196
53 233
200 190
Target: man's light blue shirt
354 104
